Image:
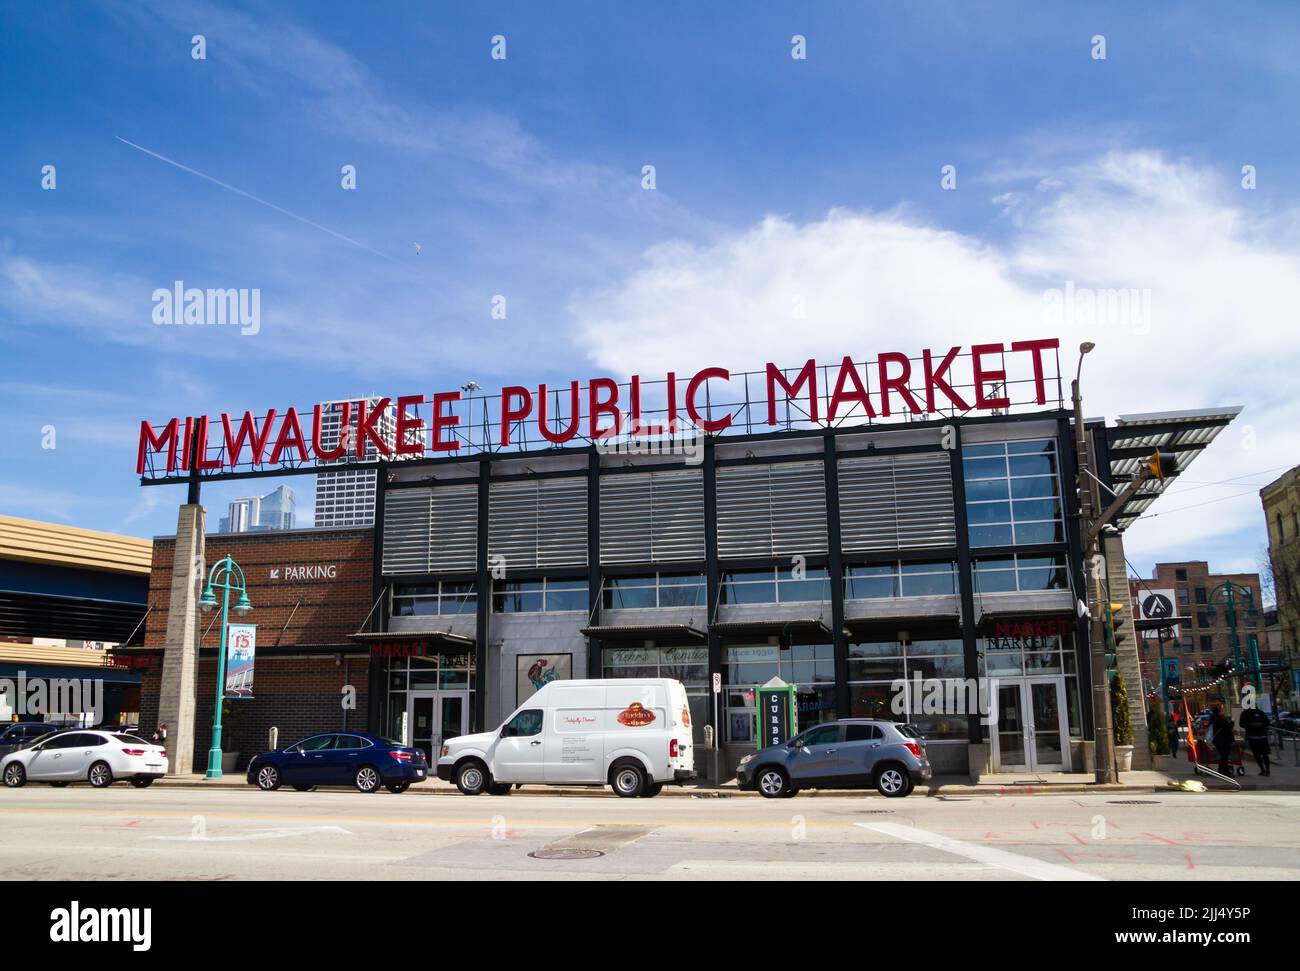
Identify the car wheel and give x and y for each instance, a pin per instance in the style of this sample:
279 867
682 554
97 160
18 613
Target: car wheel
367 779
893 781
397 788
628 780
499 789
100 775
653 790
142 783
15 775
773 783
268 778
299 787
471 778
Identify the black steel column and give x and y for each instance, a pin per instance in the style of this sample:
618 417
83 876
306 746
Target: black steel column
1068 473
594 662
965 583
377 671
712 582
483 598
835 574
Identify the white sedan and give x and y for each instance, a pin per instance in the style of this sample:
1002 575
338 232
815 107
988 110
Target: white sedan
96 757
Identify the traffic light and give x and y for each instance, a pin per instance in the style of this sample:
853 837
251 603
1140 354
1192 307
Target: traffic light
1162 464
1115 635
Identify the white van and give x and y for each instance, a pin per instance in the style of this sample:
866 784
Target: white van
633 735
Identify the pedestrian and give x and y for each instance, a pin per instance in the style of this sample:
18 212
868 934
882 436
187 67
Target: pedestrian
1255 724
160 733
1221 737
1173 734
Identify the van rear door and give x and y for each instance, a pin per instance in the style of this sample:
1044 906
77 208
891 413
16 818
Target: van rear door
681 751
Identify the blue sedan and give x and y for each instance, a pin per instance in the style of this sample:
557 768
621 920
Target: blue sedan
340 759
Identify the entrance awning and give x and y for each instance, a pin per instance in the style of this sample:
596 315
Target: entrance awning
860 625
406 642
799 627
663 634
1011 614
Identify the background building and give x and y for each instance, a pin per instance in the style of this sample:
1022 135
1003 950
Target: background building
1281 502
347 498
275 510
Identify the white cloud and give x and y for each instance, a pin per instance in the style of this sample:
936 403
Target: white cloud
1221 277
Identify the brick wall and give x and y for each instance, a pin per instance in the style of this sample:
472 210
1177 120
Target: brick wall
316 610
299 695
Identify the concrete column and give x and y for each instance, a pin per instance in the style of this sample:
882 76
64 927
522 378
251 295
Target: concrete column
1128 656
180 671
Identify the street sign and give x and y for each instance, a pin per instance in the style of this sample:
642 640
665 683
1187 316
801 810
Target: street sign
717 683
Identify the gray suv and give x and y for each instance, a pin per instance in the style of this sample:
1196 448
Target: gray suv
851 753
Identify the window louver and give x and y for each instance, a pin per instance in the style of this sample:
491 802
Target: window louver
652 517
896 502
431 530
772 510
539 523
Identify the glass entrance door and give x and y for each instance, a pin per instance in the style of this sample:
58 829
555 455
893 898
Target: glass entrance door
433 717
1031 731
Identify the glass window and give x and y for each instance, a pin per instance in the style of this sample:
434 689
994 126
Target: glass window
1013 493
524 725
822 735
925 578
1024 573
627 592
862 733
317 743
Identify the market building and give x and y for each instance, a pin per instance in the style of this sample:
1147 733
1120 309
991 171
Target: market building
864 561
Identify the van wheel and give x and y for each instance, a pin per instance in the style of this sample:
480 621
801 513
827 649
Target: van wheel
628 780
774 784
893 781
499 789
653 790
471 778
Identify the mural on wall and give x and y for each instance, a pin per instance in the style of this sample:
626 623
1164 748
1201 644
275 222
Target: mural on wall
532 671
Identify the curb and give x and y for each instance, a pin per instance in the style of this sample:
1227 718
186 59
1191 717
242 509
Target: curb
963 792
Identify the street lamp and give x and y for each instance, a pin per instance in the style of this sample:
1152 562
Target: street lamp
1103 754
1229 592
225 576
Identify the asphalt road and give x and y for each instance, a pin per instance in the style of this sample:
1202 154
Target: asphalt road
174 833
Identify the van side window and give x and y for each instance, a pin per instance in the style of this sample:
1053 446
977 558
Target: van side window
524 724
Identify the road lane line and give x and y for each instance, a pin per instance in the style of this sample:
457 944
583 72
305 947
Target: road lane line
1000 859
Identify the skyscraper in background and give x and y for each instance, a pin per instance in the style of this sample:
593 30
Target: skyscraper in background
275 510
347 498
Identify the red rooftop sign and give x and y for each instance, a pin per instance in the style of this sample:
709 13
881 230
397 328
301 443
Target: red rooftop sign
952 381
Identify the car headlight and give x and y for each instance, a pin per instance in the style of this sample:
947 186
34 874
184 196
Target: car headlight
747 759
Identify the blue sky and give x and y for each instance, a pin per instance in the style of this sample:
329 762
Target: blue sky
818 178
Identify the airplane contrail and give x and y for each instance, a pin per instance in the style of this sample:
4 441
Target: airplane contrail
269 205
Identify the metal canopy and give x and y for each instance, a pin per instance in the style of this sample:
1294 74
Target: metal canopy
1132 439
438 638
799 627
662 634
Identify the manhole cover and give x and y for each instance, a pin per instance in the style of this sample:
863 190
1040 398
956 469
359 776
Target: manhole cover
1133 802
565 854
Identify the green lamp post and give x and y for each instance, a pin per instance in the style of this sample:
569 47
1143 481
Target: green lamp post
227 577
1235 595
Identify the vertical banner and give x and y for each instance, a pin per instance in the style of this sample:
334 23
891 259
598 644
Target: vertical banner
241 648
776 707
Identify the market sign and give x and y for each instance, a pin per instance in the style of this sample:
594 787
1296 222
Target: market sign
1029 635
714 400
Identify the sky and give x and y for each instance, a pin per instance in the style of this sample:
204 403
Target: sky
1165 168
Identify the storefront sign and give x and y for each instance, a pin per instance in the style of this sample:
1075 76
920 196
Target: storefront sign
1029 635
304 571
956 380
776 709
241 650
1159 605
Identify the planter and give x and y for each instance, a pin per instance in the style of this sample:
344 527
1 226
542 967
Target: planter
1160 763
228 762
1089 766
1124 757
